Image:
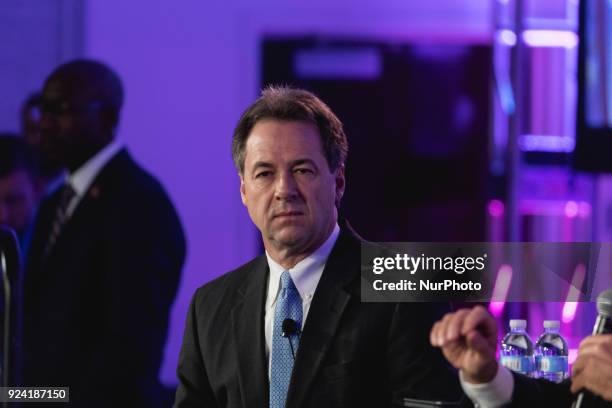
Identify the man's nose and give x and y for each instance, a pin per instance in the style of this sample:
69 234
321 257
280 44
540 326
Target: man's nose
286 186
47 120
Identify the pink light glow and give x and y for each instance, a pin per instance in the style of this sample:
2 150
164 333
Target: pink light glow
496 208
573 294
550 38
496 308
500 290
571 355
569 311
571 209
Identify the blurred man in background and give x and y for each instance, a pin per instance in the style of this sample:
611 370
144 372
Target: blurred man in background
106 254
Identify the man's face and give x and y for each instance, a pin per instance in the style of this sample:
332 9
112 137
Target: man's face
70 125
17 200
287 186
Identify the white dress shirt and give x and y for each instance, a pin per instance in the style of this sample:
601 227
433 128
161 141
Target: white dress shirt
305 275
493 394
82 178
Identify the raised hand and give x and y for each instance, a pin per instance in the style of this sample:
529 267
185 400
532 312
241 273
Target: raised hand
592 370
468 339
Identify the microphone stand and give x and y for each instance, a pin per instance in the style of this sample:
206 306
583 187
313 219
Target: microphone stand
6 284
9 266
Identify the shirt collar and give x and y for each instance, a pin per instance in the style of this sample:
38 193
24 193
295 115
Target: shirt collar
306 273
82 178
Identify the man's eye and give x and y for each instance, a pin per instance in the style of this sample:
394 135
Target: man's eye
263 174
304 171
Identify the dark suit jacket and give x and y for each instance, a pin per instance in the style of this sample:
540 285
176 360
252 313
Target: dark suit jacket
351 354
541 393
96 310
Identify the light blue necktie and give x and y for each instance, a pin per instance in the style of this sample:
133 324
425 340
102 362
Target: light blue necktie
288 306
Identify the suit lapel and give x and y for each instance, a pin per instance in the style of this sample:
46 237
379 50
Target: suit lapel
248 326
327 307
71 237
113 168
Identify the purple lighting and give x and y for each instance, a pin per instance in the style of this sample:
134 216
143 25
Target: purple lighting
569 311
500 290
571 209
573 294
550 38
547 143
496 208
364 64
584 209
506 37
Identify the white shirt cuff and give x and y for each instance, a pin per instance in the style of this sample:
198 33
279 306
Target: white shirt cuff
493 394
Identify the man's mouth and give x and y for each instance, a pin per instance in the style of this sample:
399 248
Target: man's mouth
288 214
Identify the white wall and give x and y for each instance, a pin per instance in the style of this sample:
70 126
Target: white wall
35 36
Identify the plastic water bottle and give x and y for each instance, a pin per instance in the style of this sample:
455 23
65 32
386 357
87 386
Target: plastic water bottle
517 349
551 353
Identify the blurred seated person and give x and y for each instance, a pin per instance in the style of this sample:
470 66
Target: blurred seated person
19 195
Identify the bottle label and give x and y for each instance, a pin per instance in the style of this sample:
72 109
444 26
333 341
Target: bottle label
552 364
520 364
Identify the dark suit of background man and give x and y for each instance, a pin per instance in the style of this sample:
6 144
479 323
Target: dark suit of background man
106 254
290 150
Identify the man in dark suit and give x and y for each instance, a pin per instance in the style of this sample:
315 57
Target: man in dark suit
289 328
106 254
468 338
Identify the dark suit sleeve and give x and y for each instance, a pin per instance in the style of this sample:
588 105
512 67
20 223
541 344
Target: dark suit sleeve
416 369
529 392
194 388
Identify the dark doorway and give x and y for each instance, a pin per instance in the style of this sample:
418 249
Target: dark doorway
417 117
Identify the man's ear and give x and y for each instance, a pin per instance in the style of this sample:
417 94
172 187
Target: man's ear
110 119
242 189
340 184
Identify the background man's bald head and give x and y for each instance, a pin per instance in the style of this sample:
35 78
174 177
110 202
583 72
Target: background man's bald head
90 79
80 108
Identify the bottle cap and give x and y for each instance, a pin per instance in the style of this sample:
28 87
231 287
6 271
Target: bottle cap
551 324
518 324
